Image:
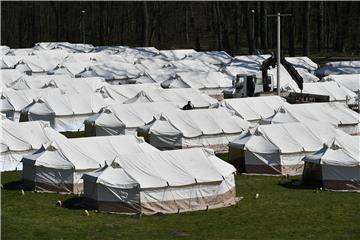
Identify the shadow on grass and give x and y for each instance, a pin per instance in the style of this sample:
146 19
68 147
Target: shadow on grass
297 184
74 203
14 186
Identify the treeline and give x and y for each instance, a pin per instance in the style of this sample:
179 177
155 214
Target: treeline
236 27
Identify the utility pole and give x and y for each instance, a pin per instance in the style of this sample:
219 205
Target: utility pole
253 29
83 25
278 16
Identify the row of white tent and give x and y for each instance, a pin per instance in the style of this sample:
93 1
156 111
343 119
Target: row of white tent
330 156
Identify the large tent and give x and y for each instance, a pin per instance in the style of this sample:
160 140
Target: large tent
22 98
210 83
337 114
335 91
213 128
59 166
19 139
350 81
342 67
122 93
253 109
279 148
336 165
125 118
162 182
66 112
178 95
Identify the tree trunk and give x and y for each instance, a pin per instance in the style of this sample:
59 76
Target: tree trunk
292 30
306 32
249 35
145 26
194 29
263 30
320 24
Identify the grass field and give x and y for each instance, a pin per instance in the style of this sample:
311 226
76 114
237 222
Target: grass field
281 212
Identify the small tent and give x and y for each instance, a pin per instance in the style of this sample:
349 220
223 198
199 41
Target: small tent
335 113
336 165
177 95
162 182
19 139
278 149
212 128
253 109
125 118
210 83
66 112
59 166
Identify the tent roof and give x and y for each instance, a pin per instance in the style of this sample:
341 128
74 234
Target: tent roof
68 104
202 80
254 108
25 136
132 115
178 95
342 151
174 168
291 137
334 113
85 153
350 81
195 123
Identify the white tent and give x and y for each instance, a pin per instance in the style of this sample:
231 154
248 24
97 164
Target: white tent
115 72
178 95
217 58
304 63
187 65
343 67
122 93
8 76
22 98
337 114
253 109
178 54
19 139
279 148
350 81
125 118
335 91
59 166
213 128
69 47
162 182
337 164
65 112
210 83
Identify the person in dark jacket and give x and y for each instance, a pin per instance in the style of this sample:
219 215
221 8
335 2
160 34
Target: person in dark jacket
188 106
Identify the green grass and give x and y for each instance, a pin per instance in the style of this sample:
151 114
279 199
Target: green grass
281 212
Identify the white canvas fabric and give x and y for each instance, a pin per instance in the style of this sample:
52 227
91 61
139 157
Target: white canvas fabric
20 99
212 128
65 112
178 95
335 91
69 47
279 148
163 182
68 159
304 63
211 83
217 58
254 109
9 76
178 54
125 118
350 81
342 67
337 114
19 139
340 163
122 93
